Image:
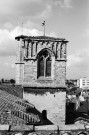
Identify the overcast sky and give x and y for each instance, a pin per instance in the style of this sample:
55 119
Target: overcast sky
67 19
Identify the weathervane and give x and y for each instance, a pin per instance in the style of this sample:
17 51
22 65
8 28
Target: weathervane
43 24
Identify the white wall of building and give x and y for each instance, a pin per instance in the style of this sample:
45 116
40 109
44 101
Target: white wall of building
84 83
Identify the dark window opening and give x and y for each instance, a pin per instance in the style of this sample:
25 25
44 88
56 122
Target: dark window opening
44 115
32 50
48 67
41 67
44 64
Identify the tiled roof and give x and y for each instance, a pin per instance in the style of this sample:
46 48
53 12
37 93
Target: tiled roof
14 110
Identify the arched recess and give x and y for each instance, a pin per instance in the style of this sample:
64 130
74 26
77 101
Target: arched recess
46 59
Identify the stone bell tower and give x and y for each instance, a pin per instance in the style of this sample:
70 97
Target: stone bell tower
41 69
41 58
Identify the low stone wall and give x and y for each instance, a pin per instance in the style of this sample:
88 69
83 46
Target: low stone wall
43 130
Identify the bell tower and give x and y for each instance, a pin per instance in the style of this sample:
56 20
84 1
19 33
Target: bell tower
41 58
41 70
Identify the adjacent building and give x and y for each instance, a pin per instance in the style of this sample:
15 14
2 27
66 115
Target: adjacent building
83 83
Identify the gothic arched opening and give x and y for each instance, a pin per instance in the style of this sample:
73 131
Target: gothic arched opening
44 63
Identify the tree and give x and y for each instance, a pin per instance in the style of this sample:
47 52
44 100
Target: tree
69 84
12 81
2 80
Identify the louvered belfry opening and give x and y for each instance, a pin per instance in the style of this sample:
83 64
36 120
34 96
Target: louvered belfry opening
44 64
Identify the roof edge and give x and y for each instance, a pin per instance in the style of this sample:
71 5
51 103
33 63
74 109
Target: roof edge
20 37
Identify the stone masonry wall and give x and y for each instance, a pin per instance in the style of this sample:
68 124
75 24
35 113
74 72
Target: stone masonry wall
53 103
30 71
60 72
30 75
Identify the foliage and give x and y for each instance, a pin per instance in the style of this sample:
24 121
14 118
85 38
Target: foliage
2 80
12 81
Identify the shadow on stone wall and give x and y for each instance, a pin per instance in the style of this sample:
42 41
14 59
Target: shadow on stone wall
44 119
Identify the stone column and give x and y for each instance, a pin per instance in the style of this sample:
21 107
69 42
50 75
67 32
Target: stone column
63 50
26 49
23 47
58 50
65 47
52 66
29 50
54 47
34 49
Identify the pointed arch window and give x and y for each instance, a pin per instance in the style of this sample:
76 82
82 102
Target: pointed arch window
44 64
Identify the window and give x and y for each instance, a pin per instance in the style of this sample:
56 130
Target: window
44 64
44 115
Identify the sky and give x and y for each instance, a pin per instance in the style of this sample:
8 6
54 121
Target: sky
67 19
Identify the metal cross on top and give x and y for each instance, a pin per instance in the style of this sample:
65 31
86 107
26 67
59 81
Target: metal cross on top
43 24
